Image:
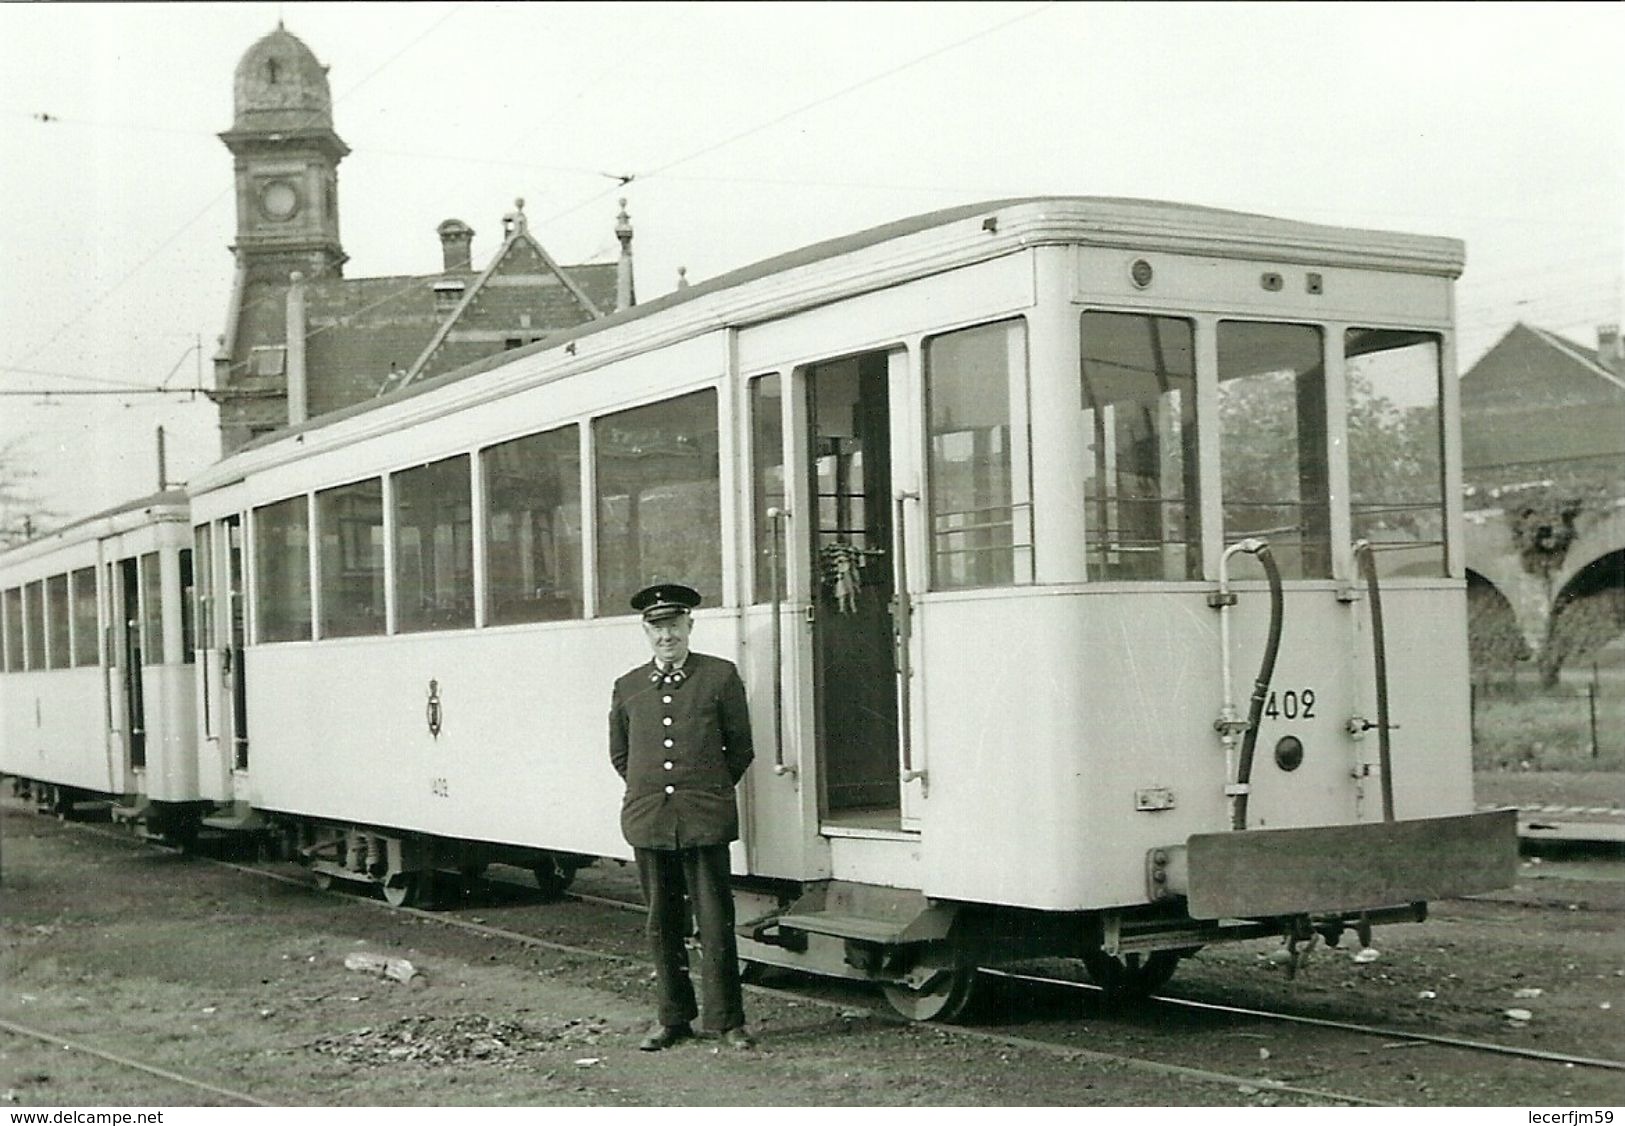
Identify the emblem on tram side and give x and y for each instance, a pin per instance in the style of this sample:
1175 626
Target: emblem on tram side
433 710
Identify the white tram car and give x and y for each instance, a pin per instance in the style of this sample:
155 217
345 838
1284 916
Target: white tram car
96 696
998 509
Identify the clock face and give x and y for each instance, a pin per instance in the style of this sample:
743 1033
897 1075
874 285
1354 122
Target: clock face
279 200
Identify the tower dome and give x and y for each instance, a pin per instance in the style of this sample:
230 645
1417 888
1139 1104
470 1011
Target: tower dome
279 85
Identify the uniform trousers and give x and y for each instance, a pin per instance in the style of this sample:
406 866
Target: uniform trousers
672 880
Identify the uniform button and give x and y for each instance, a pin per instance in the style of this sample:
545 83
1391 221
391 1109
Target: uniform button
666 721
670 743
671 789
667 764
665 699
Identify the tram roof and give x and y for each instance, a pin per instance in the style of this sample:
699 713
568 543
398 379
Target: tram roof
83 528
1221 223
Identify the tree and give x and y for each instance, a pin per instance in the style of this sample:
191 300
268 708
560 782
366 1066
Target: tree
22 515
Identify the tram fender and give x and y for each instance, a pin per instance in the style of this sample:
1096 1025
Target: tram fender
1256 873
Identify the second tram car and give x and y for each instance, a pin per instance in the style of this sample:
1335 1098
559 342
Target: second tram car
96 698
1052 538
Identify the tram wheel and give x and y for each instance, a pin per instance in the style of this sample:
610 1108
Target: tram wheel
1130 976
945 999
404 890
553 878
324 880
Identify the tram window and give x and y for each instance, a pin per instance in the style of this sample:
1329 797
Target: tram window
766 477
85 648
56 619
1396 448
188 605
34 619
152 609
1272 445
13 607
350 521
434 546
659 506
203 541
1143 520
981 506
282 571
533 528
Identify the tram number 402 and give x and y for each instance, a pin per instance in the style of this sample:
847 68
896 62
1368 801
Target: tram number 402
440 787
1294 703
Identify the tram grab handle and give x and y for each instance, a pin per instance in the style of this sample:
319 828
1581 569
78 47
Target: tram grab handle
1332 868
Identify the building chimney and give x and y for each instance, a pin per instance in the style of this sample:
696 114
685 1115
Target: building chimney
1611 349
298 394
456 246
625 294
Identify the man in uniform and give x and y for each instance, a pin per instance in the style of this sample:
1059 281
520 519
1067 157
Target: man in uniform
679 735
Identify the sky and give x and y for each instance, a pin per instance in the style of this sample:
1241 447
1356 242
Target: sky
748 130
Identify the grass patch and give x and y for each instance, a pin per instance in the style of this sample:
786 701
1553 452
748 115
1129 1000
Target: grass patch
1576 725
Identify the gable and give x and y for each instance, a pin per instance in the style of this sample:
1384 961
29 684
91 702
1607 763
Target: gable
520 298
1536 398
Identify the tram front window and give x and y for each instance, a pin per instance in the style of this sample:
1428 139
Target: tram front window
1396 456
1139 418
1272 445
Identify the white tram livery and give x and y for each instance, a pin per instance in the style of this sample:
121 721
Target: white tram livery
96 698
1053 539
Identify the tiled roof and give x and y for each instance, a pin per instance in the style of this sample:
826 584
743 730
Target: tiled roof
1536 397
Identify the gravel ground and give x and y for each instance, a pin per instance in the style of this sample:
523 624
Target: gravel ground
240 982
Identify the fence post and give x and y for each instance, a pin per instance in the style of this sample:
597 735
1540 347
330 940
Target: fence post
1591 698
1472 712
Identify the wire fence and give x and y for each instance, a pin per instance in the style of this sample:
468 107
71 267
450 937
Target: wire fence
1576 724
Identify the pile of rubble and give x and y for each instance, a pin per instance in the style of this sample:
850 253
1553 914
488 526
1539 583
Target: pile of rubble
433 1039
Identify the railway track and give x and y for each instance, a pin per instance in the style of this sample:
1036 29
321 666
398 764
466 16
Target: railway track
70 1044
1386 1034
1054 1042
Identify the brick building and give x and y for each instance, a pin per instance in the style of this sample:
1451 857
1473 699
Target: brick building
1537 407
301 339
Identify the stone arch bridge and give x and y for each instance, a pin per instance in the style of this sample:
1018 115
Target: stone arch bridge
1552 615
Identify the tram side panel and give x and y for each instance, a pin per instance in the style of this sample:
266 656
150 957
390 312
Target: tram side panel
54 732
171 773
1033 764
498 736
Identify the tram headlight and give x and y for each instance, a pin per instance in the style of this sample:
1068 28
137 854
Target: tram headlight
1289 752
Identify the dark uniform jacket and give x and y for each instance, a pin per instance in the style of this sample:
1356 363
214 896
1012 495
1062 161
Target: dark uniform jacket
681 747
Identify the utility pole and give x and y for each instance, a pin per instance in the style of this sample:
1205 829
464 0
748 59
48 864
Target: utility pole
163 473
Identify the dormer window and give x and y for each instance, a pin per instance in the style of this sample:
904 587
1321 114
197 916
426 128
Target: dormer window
270 71
447 294
268 360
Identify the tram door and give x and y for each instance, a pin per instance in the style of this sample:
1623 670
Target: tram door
849 411
128 639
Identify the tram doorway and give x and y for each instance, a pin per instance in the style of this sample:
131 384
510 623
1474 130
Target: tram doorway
127 597
235 674
853 542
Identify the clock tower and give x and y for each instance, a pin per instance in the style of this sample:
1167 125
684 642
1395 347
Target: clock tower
287 158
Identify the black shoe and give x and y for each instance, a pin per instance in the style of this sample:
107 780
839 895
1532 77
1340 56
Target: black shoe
664 1036
738 1038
